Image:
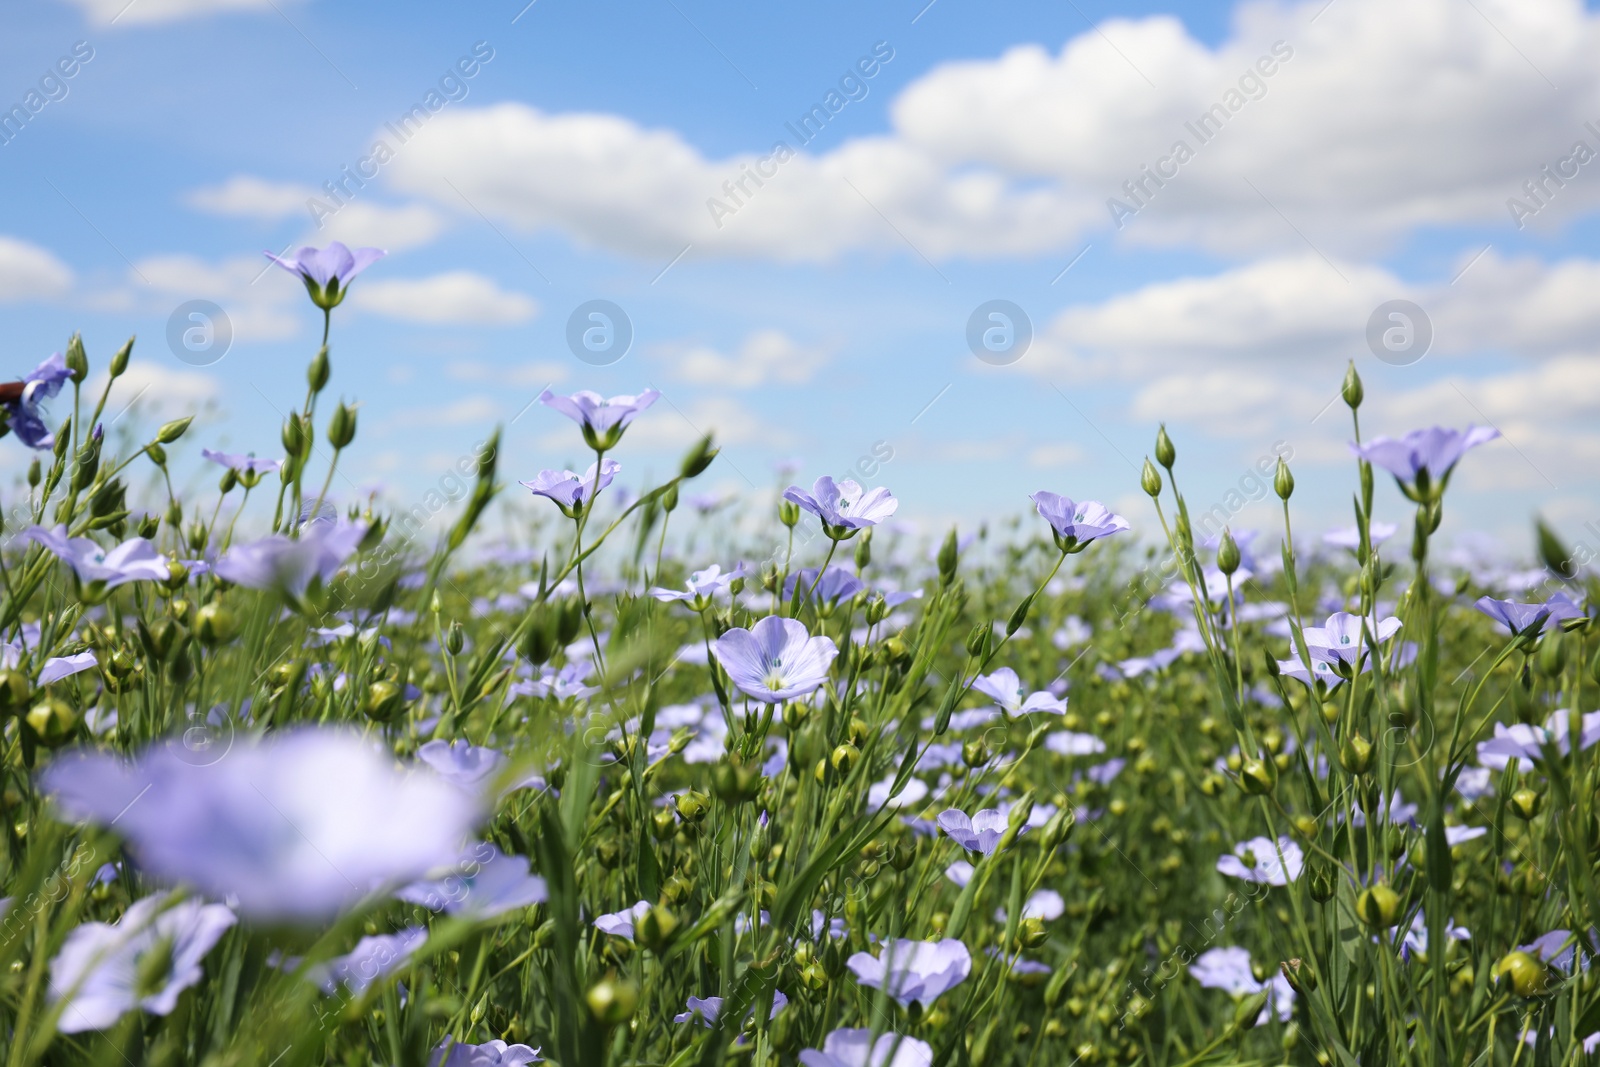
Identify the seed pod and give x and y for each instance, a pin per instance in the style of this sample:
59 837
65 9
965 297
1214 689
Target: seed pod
171 431
1351 389
612 1001
1150 479
1378 907
844 759
1227 553
1526 975
1526 804
342 426
1356 754
1166 454
53 721
214 625
1258 777
698 458
1283 481
317 373
385 700
949 557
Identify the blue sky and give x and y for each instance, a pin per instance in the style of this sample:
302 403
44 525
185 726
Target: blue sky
827 315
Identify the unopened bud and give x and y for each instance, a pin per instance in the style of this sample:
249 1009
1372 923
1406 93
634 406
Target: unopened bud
1227 553
1283 481
342 426
171 431
1378 907
1351 390
1150 479
1166 454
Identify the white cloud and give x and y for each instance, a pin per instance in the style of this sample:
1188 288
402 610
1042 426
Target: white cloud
763 357
261 302
28 272
150 392
358 222
455 297
676 422
129 12
535 374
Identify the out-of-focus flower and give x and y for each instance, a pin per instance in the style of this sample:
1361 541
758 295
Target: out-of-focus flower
620 923
486 883
980 833
296 826
569 489
601 420
1257 860
912 793
1006 689
843 507
42 383
702 587
144 961
1229 970
1526 744
1067 743
290 565
373 958
836 584
1350 536
909 971
1415 942
855 1048
706 1009
1529 618
1422 460
564 684
245 464
1074 526
775 660
135 560
328 272
494 1053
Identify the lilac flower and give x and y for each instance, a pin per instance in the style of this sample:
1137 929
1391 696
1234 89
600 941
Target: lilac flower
980 833
1473 783
836 584
55 668
569 490
601 420
289 565
1526 744
1006 689
1067 743
1229 970
1106 773
566 683
1075 525
1558 948
1257 860
1045 904
1074 632
912 793
1523 619
494 1053
1159 660
487 883
42 383
706 1009
328 272
776 660
855 1048
134 560
908 971
373 958
620 923
1321 671
1415 942
295 826
243 464
1342 642
104 971
469 767
1422 460
702 586
842 506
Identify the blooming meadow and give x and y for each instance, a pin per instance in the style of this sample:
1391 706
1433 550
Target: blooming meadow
282 791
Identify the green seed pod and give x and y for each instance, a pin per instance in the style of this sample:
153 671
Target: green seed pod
1283 481
1258 776
214 625
698 458
455 639
171 431
385 700
1150 479
317 373
1301 978
612 1001
1227 553
788 513
975 753
1378 907
1351 389
1526 804
949 557
53 721
844 758
1356 754
1166 454
692 806
342 426
1526 975
15 691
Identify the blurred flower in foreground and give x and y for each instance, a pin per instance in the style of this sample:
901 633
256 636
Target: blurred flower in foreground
329 271
373 958
909 971
1075 525
486 883
298 826
855 1048
620 923
1422 460
244 464
1257 860
289 565
144 961
134 560
1526 744
1229 970
843 507
1529 618
706 1009
775 660
601 420
42 383
489 1054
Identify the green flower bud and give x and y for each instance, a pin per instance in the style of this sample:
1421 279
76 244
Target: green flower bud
1526 804
1301 978
692 806
1031 933
1150 479
1378 907
1166 454
699 458
844 758
36 473
1552 655
975 753
171 431
1227 553
1283 481
1526 975
15 691
77 360
53 721
214 625
864 550
949 557
669 499
317 373
612 1001
1351 390
788 513
342 426
119 362
1356 754
455 639
1258 776
384 701
735 782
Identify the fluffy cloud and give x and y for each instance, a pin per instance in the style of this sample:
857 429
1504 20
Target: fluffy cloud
356 223
261 302
1019 154
150 393
130 12
455 297
28 272
764 357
